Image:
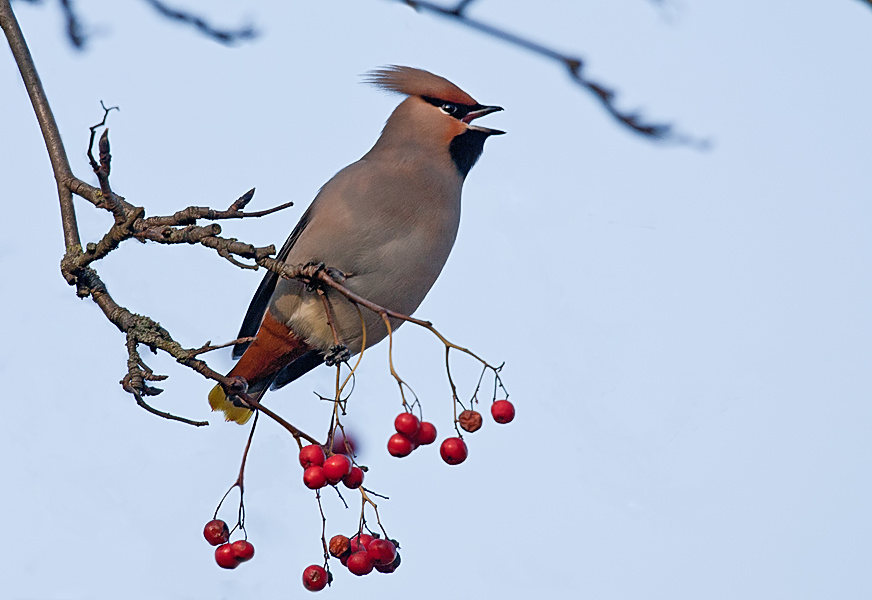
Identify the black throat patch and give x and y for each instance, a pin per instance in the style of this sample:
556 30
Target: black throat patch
466 148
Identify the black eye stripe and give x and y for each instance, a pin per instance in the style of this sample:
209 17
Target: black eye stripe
461 110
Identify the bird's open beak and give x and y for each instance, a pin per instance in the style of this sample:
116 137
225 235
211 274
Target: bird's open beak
480 111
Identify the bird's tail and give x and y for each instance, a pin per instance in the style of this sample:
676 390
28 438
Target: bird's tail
274 348
218 400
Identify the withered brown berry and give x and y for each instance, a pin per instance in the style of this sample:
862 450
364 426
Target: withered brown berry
470 420
339 546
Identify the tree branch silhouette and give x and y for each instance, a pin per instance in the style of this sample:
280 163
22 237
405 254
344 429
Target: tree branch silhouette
223 36
573 65
458 12
78 36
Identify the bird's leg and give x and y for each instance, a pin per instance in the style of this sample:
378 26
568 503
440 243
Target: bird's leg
338 352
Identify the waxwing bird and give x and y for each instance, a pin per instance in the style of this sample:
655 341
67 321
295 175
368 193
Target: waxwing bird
387 222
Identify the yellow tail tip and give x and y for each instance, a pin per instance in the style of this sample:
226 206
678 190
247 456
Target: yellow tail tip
218 401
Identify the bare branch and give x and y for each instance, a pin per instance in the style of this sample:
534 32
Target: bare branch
297 433
573 65
47 124
134 383
333 277
223 36
461 6
193 213
79 38
208 347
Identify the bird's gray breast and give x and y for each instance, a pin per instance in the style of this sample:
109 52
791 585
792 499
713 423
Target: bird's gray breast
390 228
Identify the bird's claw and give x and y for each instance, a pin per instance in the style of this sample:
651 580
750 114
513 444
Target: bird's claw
336 354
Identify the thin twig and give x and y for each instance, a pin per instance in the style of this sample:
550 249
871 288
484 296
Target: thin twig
297 433
166 415
208 347
364 500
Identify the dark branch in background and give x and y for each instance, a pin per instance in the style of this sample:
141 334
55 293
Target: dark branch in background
79 38
461 6
573 65
224 36
458 13
74 26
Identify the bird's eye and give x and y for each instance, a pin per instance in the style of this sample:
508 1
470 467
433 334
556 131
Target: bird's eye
449 108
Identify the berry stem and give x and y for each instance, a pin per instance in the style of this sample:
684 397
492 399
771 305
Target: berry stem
384 315
323 531
239 483
364 500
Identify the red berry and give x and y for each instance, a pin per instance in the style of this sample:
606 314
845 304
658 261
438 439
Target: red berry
426 434
382 552
242 550
390 568
453 451
503 411
314 478
336 467
360 563
354 479
315 578
216 532
225 557
312 456
407 424
361 542
400 446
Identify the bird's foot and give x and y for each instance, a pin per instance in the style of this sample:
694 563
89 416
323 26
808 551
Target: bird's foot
336 354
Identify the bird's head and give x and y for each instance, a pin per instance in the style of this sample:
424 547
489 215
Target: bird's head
436 113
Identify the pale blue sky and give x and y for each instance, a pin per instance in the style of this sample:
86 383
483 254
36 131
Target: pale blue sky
686 334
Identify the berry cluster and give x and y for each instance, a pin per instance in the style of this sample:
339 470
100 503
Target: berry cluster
228 555
332 465
410 434
321 471
502 411
363 553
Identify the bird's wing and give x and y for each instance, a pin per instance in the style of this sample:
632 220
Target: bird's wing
260 302
298 368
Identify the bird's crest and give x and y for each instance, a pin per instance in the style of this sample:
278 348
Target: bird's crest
417 82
